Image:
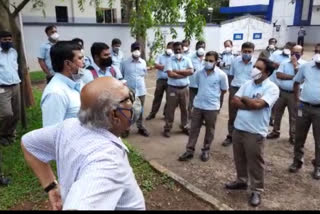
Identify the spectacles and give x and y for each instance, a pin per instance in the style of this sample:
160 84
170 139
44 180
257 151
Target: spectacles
131 97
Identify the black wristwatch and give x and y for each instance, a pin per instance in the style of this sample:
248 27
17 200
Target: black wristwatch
51 186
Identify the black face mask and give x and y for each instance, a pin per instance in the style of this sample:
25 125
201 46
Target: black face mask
106 62
6 45
318 65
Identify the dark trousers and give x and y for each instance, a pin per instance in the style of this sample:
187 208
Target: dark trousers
301 40
9 110
140 119
232 110
161 87
285 100
222 95
210 118
192 94
176 97
248 157
310 115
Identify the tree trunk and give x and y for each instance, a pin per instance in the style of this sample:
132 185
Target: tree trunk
140 38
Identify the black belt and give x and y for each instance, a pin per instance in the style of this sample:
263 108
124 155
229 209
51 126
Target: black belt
312 105
179 87
234 87
290 92
7 86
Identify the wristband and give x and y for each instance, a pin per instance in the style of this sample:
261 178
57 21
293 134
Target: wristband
51 186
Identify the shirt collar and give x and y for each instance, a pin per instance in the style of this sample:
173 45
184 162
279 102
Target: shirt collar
133 60
266 81
6 52
72 84
96 67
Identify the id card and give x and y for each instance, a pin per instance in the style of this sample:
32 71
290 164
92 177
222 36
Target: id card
300 113
172 94
2 90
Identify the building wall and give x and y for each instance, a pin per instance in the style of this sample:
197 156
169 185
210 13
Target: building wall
315 19
236 3
283 12
312 36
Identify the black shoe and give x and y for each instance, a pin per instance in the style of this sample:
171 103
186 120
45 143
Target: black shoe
185 131
4 181
144 132
295 167
227 141
166 134
186 156
205 156
292 141
316 173
236 186
4 141
125 134
255 199
273 135
150 117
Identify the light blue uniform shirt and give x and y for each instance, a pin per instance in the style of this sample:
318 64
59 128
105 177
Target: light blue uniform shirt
88 77
287 68
310 74
278 58
256 121
240 71
227 58
60 100
93 169
188 54
45 55
134 72
198 66
117 59
162 60
9 67
175 64
210 87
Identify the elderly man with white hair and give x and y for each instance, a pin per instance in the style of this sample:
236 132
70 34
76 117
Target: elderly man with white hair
92 162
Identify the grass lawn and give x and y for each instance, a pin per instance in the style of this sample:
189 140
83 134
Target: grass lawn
25 186
37 76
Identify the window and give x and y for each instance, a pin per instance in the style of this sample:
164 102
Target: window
62 14
106 16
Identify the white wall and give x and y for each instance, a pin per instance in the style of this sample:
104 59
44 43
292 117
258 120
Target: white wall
283 12
312 36
236 3
315 19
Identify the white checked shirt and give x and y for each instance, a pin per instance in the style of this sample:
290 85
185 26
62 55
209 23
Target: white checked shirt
92 164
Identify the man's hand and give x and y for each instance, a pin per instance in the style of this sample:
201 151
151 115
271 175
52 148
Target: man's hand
294 61
55 199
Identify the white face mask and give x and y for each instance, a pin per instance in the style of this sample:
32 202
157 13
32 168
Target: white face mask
287 52
136 53
316 58
185 49
200 52
228 49
256 74
209 65
55 36
76 77
169 52
178 56
272 47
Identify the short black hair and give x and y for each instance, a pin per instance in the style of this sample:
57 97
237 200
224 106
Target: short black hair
50 27
317 45
176 44
116 41
213 53
228 41
78 40
200 42
4 34
273 39
186 41
97 48
247 45
290 45
268 63
62 51
170 43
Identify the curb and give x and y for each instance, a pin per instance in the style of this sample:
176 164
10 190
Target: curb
196 191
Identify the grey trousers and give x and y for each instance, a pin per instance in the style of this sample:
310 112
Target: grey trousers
9 110
140 119
176 97
210 118
248 157
192 94
161 87
232 110
285 100
310 115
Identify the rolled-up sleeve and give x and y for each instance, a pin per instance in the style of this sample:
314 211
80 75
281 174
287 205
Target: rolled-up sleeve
42 53
224 85
271 96
299 77
41 143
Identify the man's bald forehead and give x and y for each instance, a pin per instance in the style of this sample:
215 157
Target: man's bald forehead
298 48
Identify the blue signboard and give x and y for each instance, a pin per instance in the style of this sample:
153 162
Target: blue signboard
238 36
257 35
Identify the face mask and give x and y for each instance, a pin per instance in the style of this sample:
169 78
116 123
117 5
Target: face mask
55 37
77 76
246 57
135 111
6 45
169 52
185 48
106 62
116 49
256 74
228 49
296 55
178 56
209 65
136 53
316 58
272 47
200 52
286 52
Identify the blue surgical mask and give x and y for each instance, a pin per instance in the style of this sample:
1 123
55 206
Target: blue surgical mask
298 56
209 65
246 57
